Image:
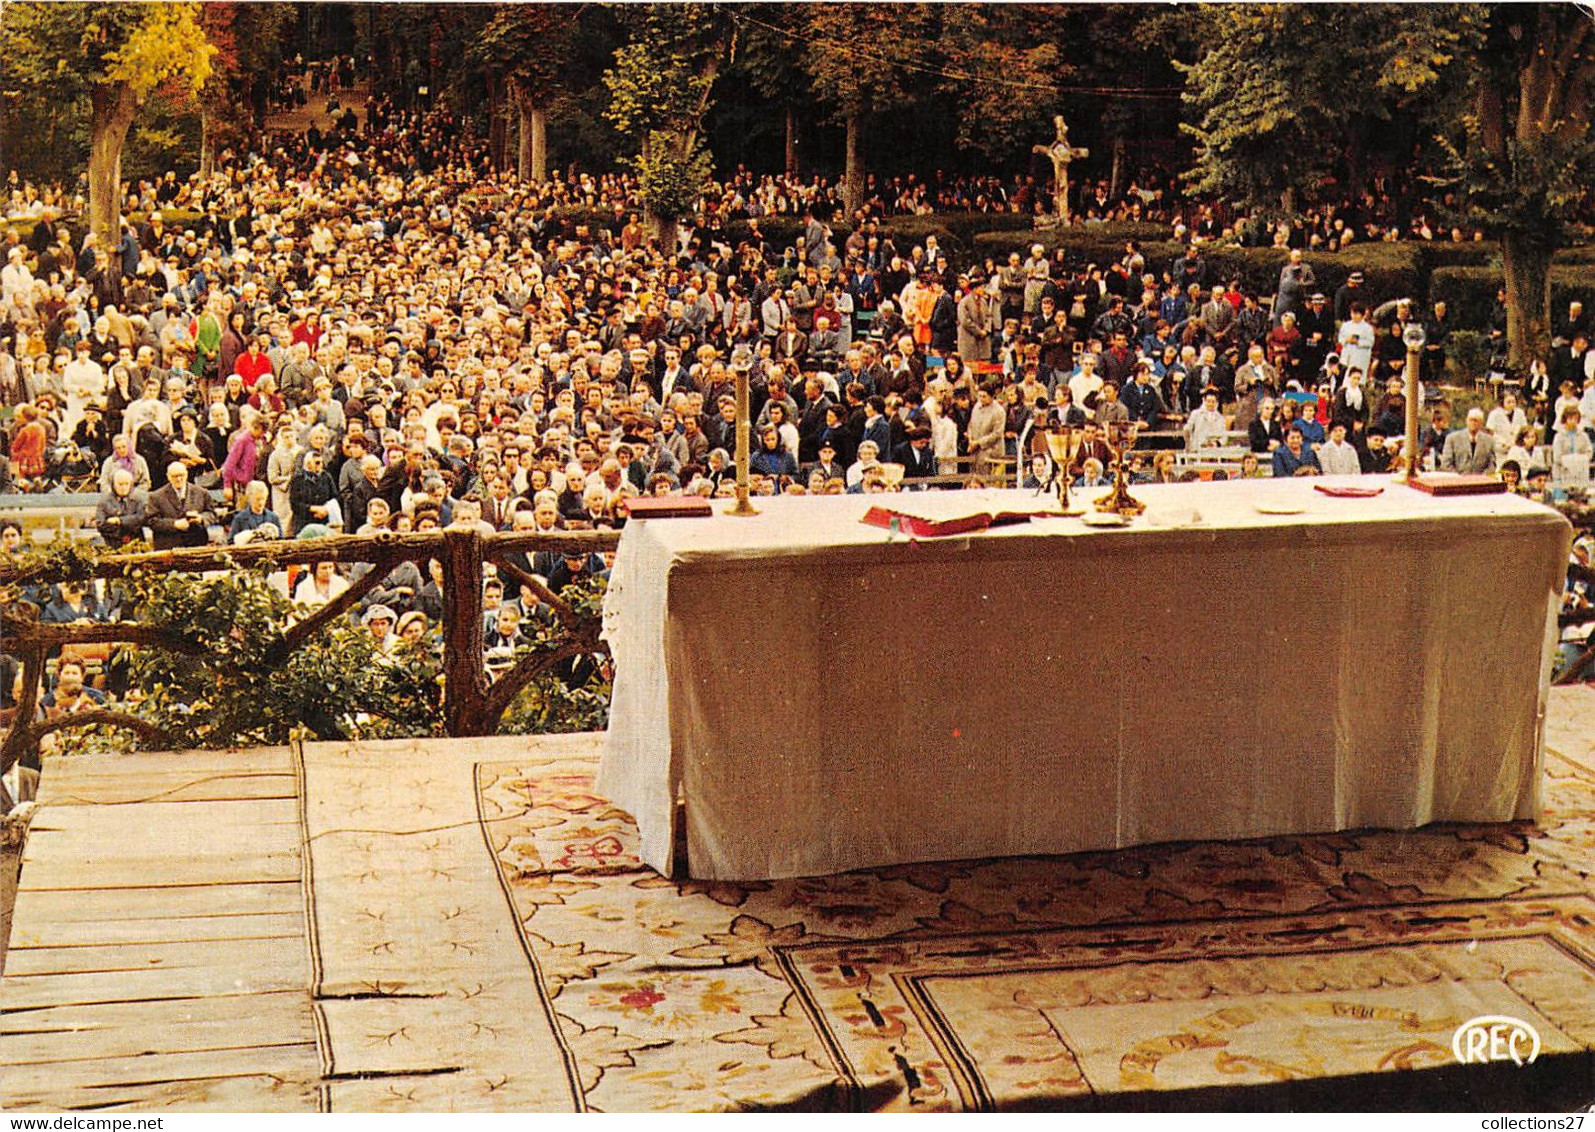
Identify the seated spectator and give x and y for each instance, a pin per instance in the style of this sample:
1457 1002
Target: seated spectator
1295 457
119 517
319 586
1336 457
180 514
75 605
1092 474
123 456
254 520
70 694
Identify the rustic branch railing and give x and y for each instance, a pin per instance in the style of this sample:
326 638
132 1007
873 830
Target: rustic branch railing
471 705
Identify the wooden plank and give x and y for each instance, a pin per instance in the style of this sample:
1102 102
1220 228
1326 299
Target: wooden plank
88 1018
135 789
213 820
266 953
193 929
244 1093
177 902
238 760
28 992
299 1060
102 869
183 1026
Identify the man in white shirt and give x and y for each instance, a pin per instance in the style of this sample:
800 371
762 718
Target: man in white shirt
1086 382
1335 456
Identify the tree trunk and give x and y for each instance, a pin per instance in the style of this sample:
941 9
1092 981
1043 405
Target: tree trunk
668 231
497 124
791 142
464 678
1116 178
1356 162
1528 299
538 120
113 106
531 123
853 174
207 149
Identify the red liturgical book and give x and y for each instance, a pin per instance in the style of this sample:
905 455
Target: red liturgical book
924 526
1348 492
668 507
1450 483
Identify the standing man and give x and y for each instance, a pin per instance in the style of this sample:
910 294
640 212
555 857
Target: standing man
1296 281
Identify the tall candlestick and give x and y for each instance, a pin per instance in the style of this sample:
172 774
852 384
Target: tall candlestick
1414 338
743 506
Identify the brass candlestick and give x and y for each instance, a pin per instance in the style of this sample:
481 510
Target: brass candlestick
1414 337
1119 500
743 505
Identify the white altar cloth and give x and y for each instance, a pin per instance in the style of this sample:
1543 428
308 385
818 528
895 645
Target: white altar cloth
825 696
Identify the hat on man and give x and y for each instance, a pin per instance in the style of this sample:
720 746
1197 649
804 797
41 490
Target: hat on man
1354 277
378 613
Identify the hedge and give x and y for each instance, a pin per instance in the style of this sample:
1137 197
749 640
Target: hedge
1469 292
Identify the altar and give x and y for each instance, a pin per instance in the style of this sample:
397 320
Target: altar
807 694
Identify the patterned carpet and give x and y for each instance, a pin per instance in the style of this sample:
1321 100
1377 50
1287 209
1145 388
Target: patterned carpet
1297 966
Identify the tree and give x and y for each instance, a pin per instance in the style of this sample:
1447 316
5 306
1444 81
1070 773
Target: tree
769 59
1506 88
529 44
659 91
119 54
248 40
853 63
1524 156
1269 93
1003 73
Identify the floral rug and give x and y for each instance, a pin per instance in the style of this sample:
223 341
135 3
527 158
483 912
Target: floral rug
1107 979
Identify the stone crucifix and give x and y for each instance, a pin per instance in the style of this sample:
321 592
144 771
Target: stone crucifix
1061 153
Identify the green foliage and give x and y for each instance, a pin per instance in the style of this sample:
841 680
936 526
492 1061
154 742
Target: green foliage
237 688
234 693
1525 176
547 705
1268 96
659 91
1469 352
855 53
1002 73
669 183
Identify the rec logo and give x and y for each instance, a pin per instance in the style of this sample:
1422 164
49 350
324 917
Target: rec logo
1495 1037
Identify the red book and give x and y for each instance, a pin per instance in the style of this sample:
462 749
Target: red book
924 526
1341 492
668 507
1451 483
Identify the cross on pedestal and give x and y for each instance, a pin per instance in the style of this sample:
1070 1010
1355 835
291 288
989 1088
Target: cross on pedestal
1061 153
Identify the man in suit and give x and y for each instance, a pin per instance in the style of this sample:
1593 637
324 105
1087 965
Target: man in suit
915 454
829 466
1469 450
179 514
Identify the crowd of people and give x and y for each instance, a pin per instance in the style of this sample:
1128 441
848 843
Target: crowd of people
363 331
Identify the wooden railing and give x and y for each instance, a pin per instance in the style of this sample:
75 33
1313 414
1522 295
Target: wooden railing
471 704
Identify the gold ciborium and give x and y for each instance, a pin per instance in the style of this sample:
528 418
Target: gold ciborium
1120 438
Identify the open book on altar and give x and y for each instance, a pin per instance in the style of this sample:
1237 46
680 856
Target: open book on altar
940 514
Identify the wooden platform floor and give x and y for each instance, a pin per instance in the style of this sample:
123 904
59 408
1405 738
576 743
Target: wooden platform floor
464 925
